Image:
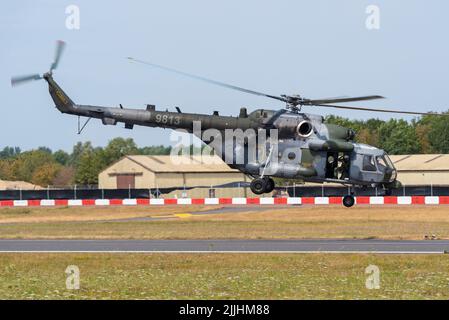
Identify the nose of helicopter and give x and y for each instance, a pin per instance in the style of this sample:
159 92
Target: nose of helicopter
387 167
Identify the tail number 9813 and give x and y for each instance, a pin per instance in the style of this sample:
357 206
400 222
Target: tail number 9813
167 119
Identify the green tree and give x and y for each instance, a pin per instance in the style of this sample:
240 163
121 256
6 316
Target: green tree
90 164
61 157
24 166
398 137
78 149
119 147
9 152
45 174
155 150
6 169
45 149
437 133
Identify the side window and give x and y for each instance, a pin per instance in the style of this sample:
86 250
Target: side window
368 163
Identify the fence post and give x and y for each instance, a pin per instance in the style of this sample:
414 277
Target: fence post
74 192
102 194
48 192
294 189
403 190
431 190
376 191
129 191
322 190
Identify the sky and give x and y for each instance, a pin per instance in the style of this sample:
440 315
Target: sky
318 49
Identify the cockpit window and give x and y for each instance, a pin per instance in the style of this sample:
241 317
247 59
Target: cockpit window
381 164
388 161
368 163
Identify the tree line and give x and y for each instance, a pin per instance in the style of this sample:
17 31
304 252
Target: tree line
427 134
42 166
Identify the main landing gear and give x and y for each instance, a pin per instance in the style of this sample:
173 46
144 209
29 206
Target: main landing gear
262 185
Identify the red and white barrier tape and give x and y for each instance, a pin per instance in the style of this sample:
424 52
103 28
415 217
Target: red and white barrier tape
410 200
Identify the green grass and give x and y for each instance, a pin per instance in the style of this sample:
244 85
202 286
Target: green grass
223 276
389 222
201 229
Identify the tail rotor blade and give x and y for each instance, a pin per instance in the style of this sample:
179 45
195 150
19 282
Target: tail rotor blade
23 79
60 45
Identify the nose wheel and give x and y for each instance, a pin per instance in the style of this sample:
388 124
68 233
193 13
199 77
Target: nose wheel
262 185
348 201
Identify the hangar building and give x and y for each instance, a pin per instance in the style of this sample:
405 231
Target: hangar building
151 172
422 169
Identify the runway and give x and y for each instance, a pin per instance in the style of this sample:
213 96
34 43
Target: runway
226 246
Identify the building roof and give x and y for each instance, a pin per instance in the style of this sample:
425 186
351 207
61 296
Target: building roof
18 185
198 164
182 163
421 162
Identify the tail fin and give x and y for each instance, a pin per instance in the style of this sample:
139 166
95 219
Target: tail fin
60 98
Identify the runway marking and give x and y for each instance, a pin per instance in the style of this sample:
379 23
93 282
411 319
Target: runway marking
183 215
163 217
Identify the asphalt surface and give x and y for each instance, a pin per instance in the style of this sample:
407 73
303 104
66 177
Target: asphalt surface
335 246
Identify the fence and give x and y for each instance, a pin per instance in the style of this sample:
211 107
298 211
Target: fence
337 191
292 191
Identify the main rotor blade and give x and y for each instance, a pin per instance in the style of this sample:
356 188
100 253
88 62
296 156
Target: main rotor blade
22 79
218 83
382 110
339 100
60 45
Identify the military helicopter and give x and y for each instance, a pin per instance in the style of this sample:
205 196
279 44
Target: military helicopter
305 147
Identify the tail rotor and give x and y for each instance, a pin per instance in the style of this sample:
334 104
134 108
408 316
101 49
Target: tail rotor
60 45
15 81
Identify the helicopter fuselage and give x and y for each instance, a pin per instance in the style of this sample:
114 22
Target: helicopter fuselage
263 143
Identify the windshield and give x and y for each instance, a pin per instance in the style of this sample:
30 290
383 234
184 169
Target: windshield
381 164
388 161
384 162
377 163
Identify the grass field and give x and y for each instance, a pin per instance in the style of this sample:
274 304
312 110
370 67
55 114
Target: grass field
385 222
223 276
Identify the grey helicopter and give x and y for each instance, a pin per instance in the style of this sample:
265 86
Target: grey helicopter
295 145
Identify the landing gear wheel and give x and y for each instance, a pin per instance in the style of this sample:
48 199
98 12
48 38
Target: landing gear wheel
348 201
269 186
258 186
